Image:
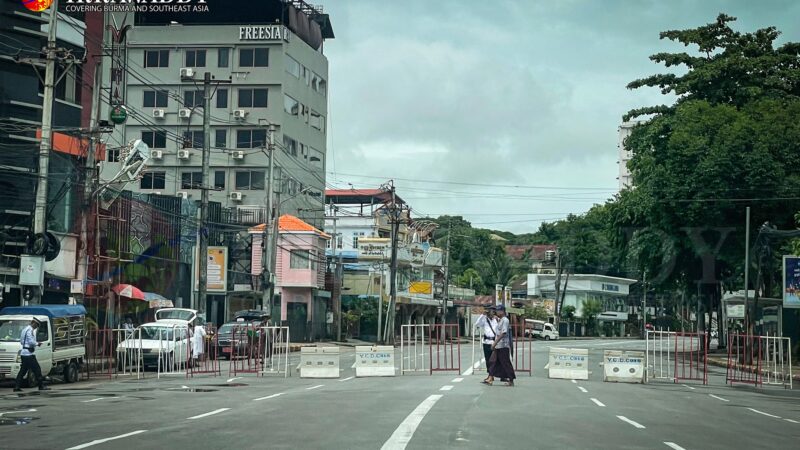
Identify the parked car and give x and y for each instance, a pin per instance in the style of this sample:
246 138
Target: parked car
540 329
239 338
166 342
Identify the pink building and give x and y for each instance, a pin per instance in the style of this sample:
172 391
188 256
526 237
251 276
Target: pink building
300 270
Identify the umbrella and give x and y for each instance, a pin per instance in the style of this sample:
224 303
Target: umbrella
157 300
128 291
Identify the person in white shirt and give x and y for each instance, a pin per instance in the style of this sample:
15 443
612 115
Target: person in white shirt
198 342
28 340
487 322
501 366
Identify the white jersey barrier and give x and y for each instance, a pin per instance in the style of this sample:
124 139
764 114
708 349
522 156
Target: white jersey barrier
569 363
375 361
623 367
319 362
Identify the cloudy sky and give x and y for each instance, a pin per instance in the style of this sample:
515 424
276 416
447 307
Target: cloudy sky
503 111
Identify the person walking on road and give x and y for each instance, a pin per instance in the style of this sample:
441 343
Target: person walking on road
501 366
488 323
198 342
29 362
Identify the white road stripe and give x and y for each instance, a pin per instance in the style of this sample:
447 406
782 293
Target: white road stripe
354 365
234 379
22 411
347 379
574 381
599 403
583 389
100 441
267 397
98 399
625 419
314 387
446 388
546 366
457 380
674 446
469 371
216 411
686 385
790 420
403 434
763 413
718 398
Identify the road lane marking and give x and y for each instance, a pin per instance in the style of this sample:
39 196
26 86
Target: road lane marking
233 379
764 414
469 371
790 420
97 399
457 380
100 441
268 397
599 403
674 446
314 387
574 381
686 385
446 388
583 389
547 366
403 434
719 398
636 424
33 410
347 379
216 411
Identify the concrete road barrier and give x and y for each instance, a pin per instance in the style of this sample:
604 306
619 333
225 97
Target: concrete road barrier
375 361
569 363
319 362
623 366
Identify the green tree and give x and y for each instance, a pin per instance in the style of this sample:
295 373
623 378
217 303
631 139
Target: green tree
469 278
536 313
568 312
591 308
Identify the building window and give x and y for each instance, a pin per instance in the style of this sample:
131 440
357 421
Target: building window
339 240
221 138
307 76
222 98
322 87
317 120
252 98
249 180
357 235
154 99
192 99
290 105
318 84
316 158
219 180
292 67
251 138
155 139
191 180
153 180
193 139
69 84
223 56
156 58
195 58
289 145
299 259
253 57
112 155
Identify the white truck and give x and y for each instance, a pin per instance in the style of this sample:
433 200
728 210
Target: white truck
61 334
541 329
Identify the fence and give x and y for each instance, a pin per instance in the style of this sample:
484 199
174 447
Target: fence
246 349
523 350
412 348
658 348
676 356
172 351
759 360
477 349
205 348
276 351
444 348
113 353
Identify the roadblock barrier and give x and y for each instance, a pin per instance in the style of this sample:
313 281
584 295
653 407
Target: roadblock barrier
568 363
444 346
205 361
623 366
413 343
759 360
276 350
173 351
319 362
479 360
659 355
246 351
523 350
691 357
375 361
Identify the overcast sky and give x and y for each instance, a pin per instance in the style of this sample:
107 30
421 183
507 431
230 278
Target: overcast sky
489 94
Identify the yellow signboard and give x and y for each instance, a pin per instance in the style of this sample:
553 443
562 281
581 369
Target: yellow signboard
420 287
216 270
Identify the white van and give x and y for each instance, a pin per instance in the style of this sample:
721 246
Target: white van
165 342
541 329
61 334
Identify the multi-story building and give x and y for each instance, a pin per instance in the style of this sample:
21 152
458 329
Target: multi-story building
270 56
625 155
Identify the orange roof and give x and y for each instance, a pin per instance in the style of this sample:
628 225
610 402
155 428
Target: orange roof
288 222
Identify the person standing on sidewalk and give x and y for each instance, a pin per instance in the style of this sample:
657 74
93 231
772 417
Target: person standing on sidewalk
501 366
29 362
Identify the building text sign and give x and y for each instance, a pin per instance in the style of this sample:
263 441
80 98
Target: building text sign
263 33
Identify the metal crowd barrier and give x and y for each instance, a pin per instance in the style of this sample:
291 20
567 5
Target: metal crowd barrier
759 360
173 353
276 351
207 361
659 351
444 348
246 355
522 355
412 348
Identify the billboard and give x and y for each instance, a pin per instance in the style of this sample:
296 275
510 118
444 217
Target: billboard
216 270
373 248
791 281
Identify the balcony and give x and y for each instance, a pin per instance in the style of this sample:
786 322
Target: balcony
246 215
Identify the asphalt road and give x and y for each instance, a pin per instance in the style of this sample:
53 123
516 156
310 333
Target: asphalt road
417 411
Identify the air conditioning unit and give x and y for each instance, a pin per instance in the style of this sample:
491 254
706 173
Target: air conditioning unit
239 113
187 72
184 113
158 113
237 154
236 196
182 194
156 154
184 154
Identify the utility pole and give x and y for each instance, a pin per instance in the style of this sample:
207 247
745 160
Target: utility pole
40 211
748 316
202 254
337 300
266 250
446 290
556 306
644 303
395 224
